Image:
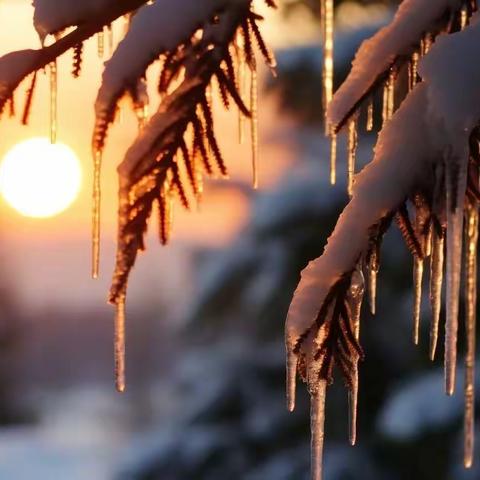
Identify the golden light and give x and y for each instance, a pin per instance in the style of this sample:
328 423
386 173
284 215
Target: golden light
40 179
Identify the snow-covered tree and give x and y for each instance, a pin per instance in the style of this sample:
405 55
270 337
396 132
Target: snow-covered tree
424 175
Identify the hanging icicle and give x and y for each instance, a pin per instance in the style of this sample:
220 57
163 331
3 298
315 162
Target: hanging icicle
241 79
456 175
333 158
370 115
317 428
356 292
53 101
254 125
372 271
417 299
352 153
327 18
101 44
119 345
413 71
97 168
436 280
471 241
292 362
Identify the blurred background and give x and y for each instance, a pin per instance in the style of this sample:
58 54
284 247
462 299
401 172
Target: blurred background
205 397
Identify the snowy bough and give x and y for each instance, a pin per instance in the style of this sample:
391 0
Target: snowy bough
424 176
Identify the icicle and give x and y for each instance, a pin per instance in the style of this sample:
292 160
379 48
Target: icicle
333 158
413 71
456 169
385 103
292 361
463 17
391 94
352 151
372 282
317 427
119 344
417 302
254 125
471 231
53 101
97 167
101 44
436 280
327 12
370 115
241 76
357 289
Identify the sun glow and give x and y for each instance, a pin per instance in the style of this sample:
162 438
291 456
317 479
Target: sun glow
40 179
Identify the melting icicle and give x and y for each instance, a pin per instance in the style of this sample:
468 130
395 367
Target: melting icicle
327 12
385 103
471 231
372 282
292 361
463 17
317 428
352 151
456 170
53 101
357 289
436 280
97 167
333 158
241 77
370 115
391 94
119 344
254 125
101 44
417 301
413 71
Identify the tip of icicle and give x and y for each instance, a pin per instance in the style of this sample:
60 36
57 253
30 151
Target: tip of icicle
468 463
120 388
290 404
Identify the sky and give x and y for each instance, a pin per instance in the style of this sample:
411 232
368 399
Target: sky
47 261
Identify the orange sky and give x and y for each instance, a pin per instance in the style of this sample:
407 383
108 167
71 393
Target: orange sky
49 259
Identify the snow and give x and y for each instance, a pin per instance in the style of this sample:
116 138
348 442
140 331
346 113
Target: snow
52 16
400 161
13 68
155 29
376 55
453 79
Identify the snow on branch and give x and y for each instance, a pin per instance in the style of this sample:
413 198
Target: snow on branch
165 26
426 162
390 47
16 66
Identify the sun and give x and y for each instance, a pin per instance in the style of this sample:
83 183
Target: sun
40 179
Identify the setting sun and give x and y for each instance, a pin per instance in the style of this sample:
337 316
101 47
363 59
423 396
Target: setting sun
40 179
